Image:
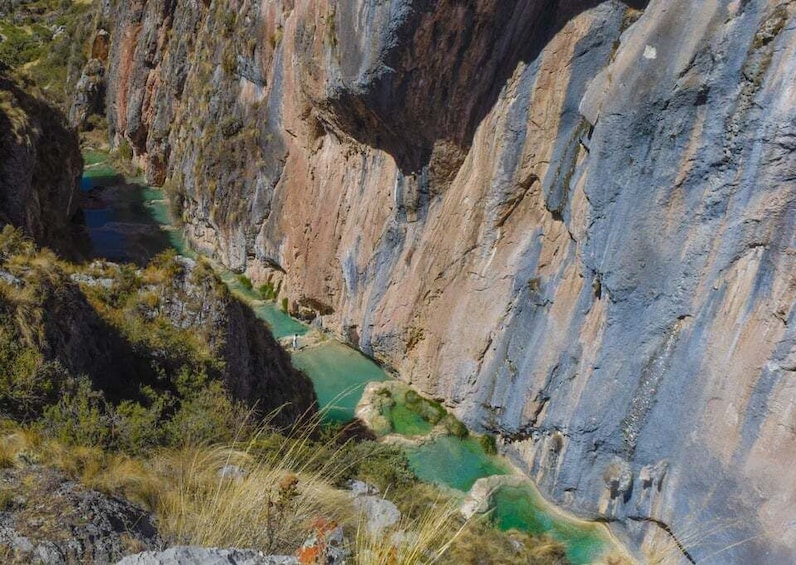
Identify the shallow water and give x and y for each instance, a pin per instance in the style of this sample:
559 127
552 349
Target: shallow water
523 509
339 374
132 223
454 462
280 323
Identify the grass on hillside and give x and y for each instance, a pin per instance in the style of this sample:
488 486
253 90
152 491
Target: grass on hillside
163 444
224 495
43 43
269 494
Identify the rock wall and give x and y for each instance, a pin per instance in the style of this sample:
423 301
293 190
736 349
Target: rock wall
573 221
40 166
256 369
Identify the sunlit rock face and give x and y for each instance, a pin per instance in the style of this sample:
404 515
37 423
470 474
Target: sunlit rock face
573 221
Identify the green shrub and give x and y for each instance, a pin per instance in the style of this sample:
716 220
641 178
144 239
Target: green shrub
81 416
488 444
209 416
27 382
245 282
379 464
455 427
138 428
284 304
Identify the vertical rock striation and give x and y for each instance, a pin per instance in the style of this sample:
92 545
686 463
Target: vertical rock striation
573 221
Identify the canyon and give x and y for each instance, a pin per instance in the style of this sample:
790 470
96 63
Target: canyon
40 164
571 221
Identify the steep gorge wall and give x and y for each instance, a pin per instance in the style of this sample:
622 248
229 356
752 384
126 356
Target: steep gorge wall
573 221
40 166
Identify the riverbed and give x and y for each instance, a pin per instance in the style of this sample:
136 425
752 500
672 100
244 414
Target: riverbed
128 221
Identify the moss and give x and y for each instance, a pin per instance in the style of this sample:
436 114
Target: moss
245 282
488 443
268 291
455 427
432 412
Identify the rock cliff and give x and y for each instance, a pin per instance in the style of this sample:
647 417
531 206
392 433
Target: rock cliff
254 368
40 166
574 221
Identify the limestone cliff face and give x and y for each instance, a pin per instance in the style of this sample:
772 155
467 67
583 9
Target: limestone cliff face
574 221
40 165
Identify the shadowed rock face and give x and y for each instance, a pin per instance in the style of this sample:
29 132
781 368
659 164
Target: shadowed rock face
573 221
416 78
40 166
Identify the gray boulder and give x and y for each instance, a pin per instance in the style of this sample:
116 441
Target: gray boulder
185 555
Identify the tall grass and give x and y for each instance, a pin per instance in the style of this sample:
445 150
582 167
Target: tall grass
422 539
259 504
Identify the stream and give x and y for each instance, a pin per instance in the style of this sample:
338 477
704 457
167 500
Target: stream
128 221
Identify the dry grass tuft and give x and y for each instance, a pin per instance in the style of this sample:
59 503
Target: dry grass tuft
221 496
423 539
18 448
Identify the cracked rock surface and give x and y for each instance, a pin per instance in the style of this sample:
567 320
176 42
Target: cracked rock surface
573 221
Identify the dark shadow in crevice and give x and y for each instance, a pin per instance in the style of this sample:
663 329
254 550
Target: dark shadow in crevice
38 151
446 66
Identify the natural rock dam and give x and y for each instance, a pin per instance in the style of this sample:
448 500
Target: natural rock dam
573 221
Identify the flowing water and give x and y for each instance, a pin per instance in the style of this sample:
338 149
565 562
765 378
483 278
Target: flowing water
339 374
128 221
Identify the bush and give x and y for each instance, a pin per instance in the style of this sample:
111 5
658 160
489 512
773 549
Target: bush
138 428
231 125
381 465
124 151
208 416
245 282
454 427
488 444
80 417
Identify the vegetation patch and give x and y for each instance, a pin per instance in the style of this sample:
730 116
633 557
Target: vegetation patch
43 43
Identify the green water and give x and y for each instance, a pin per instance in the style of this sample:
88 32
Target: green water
98 170
453 462
280 323
522 508
133 222
339 374
407 422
